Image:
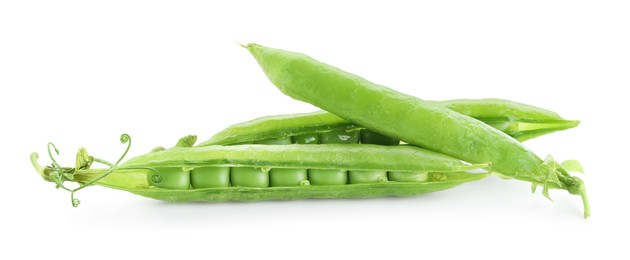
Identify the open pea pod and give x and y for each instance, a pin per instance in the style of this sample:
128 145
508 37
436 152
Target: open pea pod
271 172
521 121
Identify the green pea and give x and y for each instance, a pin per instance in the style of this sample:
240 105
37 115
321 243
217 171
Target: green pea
210 177
170 178
327 177
339 137
287 177
367 176
310 138
250 177
408 176
283 140
438 176
371 137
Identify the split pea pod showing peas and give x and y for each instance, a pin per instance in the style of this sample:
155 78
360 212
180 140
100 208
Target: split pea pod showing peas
411 119
521 121
272 172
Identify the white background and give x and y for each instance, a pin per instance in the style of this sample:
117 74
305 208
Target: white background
80 73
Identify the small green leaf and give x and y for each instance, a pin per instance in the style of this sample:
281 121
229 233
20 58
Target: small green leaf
187 141
83 160
546 192
572 166
550 167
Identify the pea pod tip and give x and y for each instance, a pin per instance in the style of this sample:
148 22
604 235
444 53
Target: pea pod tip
38 168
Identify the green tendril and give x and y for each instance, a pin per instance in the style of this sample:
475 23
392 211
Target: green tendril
59 175
54 162
156 178
75 202
124 138
101 161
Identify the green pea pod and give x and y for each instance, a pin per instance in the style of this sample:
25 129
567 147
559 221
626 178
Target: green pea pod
271 172
410 119
521 121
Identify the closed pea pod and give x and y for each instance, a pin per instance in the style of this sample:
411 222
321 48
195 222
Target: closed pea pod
410 119
521 121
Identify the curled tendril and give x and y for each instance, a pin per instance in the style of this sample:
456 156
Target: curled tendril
59 175
156 178
124 138
75 202
54 162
